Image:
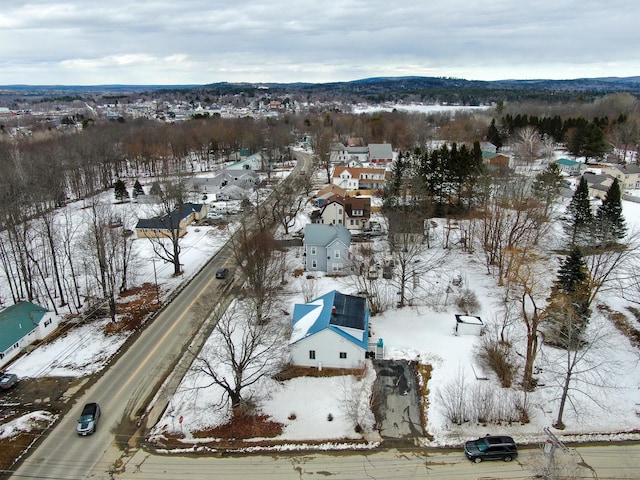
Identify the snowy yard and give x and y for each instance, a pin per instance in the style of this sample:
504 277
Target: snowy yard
419 332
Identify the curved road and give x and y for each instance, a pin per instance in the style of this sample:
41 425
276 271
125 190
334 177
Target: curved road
127 387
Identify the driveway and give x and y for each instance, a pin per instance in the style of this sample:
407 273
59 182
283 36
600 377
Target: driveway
397 401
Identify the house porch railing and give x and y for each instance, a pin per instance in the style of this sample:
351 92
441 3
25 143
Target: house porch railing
376 351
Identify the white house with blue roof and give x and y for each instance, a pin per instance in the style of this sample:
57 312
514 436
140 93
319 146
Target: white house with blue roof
330 331
21 325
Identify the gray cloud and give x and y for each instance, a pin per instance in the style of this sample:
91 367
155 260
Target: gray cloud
198 41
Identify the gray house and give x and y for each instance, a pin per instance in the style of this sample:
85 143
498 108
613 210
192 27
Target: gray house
326 247
235 184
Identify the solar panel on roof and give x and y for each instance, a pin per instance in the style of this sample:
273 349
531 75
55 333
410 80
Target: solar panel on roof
349 311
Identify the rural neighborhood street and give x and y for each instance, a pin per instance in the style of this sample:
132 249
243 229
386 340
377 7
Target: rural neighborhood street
602 462
126 388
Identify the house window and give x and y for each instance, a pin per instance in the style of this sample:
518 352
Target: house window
312 354
351 222
313 250
336 254
357 213
47 322
336 267
314 264
343 354
339 211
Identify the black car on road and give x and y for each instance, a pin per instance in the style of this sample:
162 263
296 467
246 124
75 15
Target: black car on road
222 273
491 447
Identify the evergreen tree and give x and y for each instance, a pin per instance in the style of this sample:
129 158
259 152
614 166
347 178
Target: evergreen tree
393 188
610 224
155 189
568 310
493 135
593 144
137 189
579 216
120 190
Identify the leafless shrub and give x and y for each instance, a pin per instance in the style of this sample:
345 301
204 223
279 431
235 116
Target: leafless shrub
310 288
481 403
496 355
468 302
451 399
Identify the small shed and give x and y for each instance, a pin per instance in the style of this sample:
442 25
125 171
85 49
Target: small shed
468 325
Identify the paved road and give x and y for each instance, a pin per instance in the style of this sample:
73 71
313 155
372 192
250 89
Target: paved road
601 462
126 388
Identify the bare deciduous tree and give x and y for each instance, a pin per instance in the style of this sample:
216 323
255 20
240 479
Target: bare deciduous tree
287 203
170 217
110 252
584 364
525 286
243 352
411 255
261 266
527 146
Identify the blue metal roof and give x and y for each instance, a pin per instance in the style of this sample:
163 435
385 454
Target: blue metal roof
350 312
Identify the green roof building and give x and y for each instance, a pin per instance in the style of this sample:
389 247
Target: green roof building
21 325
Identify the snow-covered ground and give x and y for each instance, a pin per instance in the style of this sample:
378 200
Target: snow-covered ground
419 332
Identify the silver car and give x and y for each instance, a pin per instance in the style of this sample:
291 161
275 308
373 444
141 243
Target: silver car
88 421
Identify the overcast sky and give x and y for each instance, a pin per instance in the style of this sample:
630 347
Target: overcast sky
85 42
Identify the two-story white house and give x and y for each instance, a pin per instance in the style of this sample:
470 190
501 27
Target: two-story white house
374 153
353 213
360 178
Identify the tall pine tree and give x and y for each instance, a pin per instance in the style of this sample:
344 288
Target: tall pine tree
579 216
137 189
610 224
568 309
120 190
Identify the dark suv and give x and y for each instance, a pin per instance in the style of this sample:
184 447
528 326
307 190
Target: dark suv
491 448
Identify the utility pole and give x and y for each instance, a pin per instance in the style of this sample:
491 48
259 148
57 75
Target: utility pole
550 446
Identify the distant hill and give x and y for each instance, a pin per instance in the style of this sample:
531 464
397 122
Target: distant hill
453 90
399 84
437 89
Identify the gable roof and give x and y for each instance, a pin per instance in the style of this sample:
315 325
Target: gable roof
349 318
331 189
357 203
172 220
323 235
17 321
380 150
626 168
358 171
